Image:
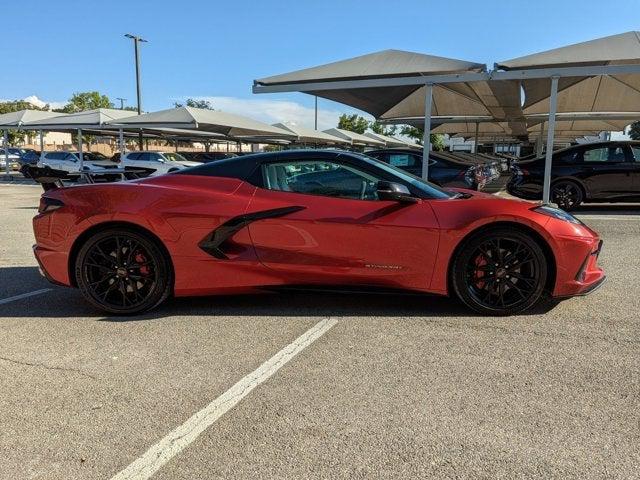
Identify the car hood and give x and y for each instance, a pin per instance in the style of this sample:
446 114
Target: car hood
189 163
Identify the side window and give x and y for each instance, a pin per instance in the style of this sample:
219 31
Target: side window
56 155
636 152
572 156
319 177
70 157
402 160
604 154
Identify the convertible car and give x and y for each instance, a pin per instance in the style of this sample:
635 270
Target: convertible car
311 218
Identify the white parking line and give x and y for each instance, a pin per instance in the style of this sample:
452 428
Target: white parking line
634 218
24 295
180 438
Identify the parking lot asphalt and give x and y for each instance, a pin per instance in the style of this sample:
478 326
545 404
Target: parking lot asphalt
394 387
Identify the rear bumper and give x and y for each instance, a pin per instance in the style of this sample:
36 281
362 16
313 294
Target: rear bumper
52 265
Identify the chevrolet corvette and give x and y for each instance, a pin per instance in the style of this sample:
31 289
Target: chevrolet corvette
312 218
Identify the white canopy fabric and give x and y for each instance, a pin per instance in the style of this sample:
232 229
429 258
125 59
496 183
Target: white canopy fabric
307 135
74 121
392 141
17 119
355 138
483 98
602 93
203 120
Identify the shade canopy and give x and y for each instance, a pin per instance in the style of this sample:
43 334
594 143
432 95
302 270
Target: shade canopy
380 101
596 93
81 120
17 119
203 120
355 138
391 142
307 135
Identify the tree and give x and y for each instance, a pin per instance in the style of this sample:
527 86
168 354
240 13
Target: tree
195 103
380 129
634 131
81 101
417 134
353 123
16 106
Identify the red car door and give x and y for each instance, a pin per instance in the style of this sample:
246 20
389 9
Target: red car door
336 240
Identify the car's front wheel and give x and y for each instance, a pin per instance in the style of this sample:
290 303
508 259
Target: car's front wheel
500 272
123 272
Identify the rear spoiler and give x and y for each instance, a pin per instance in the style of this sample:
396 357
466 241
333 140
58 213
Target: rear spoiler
49 178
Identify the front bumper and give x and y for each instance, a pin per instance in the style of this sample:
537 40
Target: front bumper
586 277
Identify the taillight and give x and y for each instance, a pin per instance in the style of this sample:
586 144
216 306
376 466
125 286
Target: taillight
48 204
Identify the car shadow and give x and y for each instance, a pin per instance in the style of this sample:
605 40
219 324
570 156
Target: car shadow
62 302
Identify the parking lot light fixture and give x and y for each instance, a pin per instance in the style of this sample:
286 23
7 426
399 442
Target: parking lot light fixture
136 39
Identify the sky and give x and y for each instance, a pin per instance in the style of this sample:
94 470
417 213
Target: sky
215 49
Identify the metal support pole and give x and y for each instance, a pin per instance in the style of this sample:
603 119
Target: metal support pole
41 142
80 154
428 100
475 138
553 106
540 142
6 152
316 114
138 94
122 147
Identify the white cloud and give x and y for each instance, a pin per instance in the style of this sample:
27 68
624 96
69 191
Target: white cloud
274 111
34 100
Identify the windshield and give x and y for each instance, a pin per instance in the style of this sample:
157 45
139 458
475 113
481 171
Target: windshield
428 188
174 157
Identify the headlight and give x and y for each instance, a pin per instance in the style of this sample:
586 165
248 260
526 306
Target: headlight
556 213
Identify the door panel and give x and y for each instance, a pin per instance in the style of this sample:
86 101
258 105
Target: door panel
607 173
346 241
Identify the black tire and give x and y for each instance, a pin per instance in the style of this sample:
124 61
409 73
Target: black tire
501 271
566 194
123 272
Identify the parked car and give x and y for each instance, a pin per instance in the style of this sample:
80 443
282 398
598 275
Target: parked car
69 161
594 172
157 162
206 157
307 218
444 172
27 155
14 160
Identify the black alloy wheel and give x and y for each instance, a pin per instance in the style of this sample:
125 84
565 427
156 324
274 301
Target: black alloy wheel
123 272
567 195
500 272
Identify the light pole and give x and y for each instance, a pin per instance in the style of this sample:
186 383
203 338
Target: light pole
137 40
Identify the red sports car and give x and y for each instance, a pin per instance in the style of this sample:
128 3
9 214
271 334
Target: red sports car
307 219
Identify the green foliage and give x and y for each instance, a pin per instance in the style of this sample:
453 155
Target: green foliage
634 131
15 106
194 103
380 129
81 101
353 123
417 135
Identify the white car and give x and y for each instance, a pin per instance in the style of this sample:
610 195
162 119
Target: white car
158 162
14 161
70 161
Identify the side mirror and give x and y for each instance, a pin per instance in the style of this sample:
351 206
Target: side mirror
394 192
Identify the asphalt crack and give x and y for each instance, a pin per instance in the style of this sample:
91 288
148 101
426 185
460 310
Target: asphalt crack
48 367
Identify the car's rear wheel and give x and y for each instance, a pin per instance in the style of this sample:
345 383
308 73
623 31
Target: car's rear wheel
566 194
123 272
500 272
